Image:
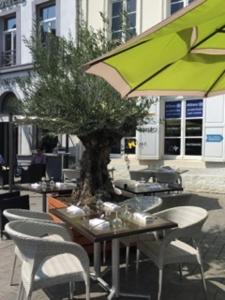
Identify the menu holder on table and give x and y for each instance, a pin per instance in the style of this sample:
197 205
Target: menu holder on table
141 218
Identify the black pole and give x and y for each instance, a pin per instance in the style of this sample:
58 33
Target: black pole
67 151
11 153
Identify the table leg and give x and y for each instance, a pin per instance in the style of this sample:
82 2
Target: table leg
44 202
97 258
115 290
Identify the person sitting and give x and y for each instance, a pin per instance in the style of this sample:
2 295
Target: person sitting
39 158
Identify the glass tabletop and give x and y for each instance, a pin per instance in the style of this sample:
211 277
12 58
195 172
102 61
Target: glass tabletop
142 203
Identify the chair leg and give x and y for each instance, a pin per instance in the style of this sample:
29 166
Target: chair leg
203 276
160 283
137 259
180 272
199 259
87 287
71 290
13 269
104 252
127 257
20 292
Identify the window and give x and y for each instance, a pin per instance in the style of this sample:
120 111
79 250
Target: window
47 19
183 136
193 127
9 41
175 5
123 19
172 145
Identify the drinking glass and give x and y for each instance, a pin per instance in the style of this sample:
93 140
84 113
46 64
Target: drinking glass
99 203
52 183
87 210
117 222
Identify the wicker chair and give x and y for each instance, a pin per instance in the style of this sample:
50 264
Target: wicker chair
13 214
171 250
47 261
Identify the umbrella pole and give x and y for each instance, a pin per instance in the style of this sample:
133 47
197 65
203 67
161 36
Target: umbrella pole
11 152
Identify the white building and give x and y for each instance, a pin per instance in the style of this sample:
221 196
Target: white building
16 24
183 133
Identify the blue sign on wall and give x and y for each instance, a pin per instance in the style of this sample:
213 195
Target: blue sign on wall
214 138
173 110
194 108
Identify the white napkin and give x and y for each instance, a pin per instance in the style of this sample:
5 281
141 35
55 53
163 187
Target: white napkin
110 207
142 218
75 211
99 224
35 185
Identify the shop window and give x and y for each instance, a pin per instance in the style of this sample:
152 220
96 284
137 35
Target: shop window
8 57
183 136
47 20
123 19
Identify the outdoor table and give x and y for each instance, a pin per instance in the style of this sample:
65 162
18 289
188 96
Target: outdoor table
110 234
145 188
62 187
142 203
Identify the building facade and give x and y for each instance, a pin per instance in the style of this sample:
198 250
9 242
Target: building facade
183 131
17 18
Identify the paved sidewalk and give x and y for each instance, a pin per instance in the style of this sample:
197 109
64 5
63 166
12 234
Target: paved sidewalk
146 280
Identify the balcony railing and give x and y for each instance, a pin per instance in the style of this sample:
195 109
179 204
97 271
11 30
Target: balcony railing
8 58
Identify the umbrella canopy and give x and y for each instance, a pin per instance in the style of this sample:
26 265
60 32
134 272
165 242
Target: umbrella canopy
182 55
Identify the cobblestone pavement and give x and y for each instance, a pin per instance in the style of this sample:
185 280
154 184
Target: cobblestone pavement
146 280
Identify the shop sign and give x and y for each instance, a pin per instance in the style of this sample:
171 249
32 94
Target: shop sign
173 110
8 3
194 108
214 138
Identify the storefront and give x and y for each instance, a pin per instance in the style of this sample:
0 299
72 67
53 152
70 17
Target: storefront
183 129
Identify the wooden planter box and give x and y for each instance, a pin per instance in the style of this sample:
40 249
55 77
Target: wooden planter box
77 237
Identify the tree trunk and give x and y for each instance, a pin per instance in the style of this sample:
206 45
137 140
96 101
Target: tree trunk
94 173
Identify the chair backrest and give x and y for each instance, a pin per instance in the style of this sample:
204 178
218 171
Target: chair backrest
13 214
138 175
33 174
35 242
188 218
13 202
168 177
9 195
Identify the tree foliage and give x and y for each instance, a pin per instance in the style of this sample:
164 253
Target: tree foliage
59 91
67 100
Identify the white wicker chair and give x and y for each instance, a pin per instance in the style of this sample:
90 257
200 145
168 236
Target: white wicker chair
127 241
13 214
46 261
171 250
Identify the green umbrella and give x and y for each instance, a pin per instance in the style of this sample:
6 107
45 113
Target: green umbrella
182 55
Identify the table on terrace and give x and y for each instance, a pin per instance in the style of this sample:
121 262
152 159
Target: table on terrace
145 188
110 234
60 188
